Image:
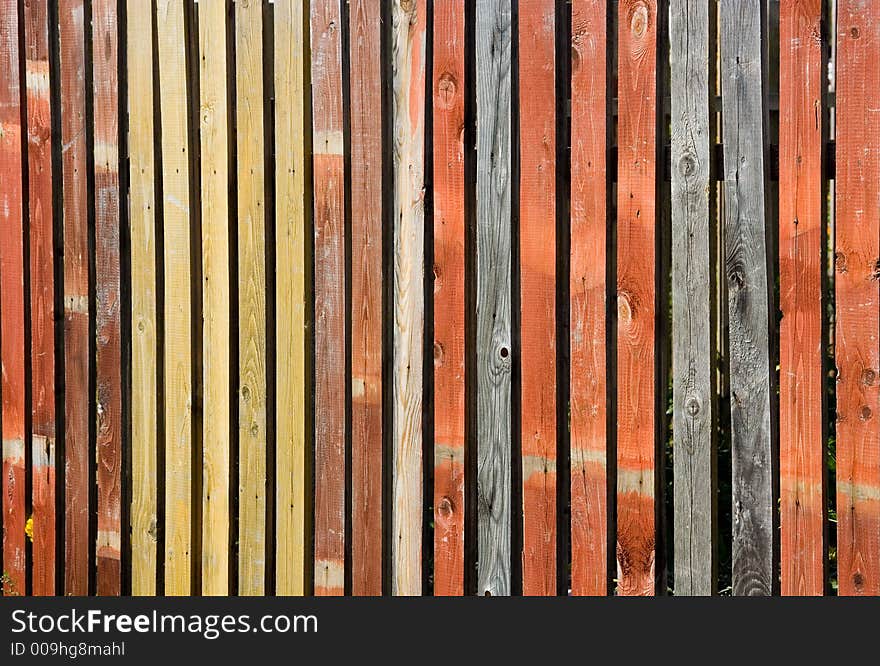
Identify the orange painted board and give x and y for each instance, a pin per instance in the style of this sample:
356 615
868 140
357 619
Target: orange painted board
42 291
636 190
587 283
537 201
330 339
365 26
801 445
856 258
12 352
449 297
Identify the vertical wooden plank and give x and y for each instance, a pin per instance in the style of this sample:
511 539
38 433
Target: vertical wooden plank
692 303
537 241
365 25
71 19
42 293
748 294
144 358
449 296
589 217
178 310
408 62
12 352
330 343
636 345
214 138
292 257
108 360
252 298
801 445
856 261
493 40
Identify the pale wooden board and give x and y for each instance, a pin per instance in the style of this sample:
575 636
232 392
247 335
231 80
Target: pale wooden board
494 40
251 299
178 316
214 137
142 221
292 294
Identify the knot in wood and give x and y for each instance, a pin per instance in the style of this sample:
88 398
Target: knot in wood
638 22
245 393
445 508
865 413
687 165
447 88
868 377
692 405
438 354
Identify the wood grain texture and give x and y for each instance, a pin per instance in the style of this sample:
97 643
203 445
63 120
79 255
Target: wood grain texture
494 41
12 313
144 352
251 299
588 277
801 441
108 300
367 214
178 307
448 129
76 296
537 241
42 291
293 261
214 139
408 64
636 344
748 294
330 338
693 286
856 264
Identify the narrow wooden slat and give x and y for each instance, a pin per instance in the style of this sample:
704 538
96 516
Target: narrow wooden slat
178 309
76 297
252 299
493 39
12 351
449 297
214 137
748 295
330 339
365 26
801 442
589 196
408 62
292 257
636 345
42 293
693 334
537 210
144 358
108 359
856 262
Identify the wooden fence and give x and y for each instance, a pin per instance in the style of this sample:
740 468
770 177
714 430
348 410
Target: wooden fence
440 297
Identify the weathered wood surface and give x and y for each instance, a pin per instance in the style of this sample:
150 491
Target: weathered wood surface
365 75
12 350
537 242
214 139
144 358
746 262
330 339
856 262
448 129
292 279
178 308
801 440
42 292
251 299
636 345
588 278
693 288
72 47
108 300
494 41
